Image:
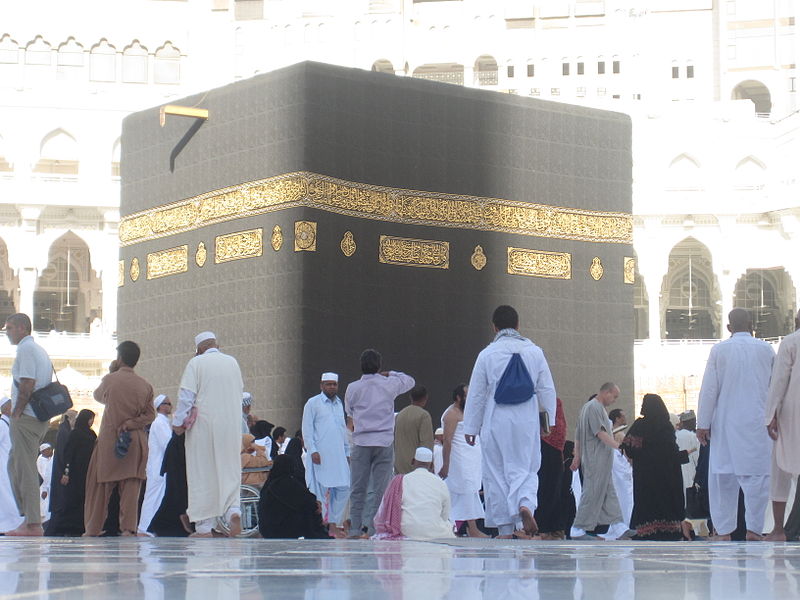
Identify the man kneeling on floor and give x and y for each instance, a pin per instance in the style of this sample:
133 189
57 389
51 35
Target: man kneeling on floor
416 505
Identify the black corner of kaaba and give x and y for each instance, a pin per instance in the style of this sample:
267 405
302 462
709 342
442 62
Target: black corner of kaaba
321 210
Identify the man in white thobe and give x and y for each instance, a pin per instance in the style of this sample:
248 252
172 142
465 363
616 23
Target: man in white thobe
10 518
783 426
157 440
325 439
509 432
44 464
687 440
209 411
733 402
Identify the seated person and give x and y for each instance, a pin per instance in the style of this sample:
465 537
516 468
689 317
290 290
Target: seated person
416 505
253 456
286 508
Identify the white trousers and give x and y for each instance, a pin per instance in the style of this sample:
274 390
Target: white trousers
723 500
334 507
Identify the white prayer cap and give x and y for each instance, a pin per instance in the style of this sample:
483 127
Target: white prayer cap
328 376
674 419
202 337
44 447
423 455
5 401
159 400
439 431
247 399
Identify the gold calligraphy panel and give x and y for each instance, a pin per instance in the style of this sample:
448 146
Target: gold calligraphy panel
242 244
168 262
539 263
629 269
375 202
410 252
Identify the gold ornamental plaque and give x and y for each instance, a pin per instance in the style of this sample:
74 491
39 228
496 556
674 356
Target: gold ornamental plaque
238 245
305 236
348 244
277 238
596 270
629 269
135 269
201 254
168 262
478 258
410 252
539 263
121 274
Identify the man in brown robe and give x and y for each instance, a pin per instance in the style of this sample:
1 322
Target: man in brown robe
128 399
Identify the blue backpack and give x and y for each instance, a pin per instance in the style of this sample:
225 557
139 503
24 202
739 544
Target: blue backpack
515 385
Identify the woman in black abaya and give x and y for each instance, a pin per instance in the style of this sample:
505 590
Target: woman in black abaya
77 454
658 505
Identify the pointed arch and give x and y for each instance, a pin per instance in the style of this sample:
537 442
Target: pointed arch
486 70
769 296
38 52
58 154
70 61
9 50
690 293
684 173
751 173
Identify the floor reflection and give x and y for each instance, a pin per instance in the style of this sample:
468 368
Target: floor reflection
158 569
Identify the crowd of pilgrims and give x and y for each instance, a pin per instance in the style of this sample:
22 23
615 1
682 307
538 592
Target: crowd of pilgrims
651 479
357 469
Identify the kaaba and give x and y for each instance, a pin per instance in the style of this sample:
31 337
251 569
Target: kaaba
322 210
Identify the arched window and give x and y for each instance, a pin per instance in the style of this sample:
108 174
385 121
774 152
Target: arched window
168 64
751 174
757 93
684 174
358 31
134 63
115 154
601 65
769 296
691 310
38 52
9 51
383 66
486 70
70 60
102 62
58 155
531 68
309 32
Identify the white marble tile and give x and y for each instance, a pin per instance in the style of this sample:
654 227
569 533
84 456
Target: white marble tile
174 569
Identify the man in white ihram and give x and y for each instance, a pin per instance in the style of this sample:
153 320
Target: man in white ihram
209 411
157 440
732 408
509 431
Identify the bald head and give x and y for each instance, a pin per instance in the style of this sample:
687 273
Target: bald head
739 320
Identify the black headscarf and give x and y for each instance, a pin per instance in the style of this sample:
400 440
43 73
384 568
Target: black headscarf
261 429
82 421
653 428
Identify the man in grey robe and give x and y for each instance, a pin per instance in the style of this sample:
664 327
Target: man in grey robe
594 455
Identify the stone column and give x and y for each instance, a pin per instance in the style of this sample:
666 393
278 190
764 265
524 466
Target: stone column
28 277
109 278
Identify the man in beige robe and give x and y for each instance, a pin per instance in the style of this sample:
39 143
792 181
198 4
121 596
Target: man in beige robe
783 426
128 401
210 412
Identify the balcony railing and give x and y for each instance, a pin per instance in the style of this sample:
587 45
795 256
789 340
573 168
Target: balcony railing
69 345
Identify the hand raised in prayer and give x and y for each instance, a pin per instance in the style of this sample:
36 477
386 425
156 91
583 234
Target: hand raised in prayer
704 435
772 428
470 439
315 458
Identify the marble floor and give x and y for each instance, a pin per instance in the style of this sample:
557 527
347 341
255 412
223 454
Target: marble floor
123 568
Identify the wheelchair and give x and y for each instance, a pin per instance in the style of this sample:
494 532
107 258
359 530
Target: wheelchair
249 496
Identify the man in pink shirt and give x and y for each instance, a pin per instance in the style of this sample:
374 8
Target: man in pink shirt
369 404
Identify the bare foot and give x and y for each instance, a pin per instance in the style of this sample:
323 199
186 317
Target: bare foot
528 522
775 536
30 530
474 532
719 538
335 532
185 523
505 536
753 537
201 535
235 525
521 535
